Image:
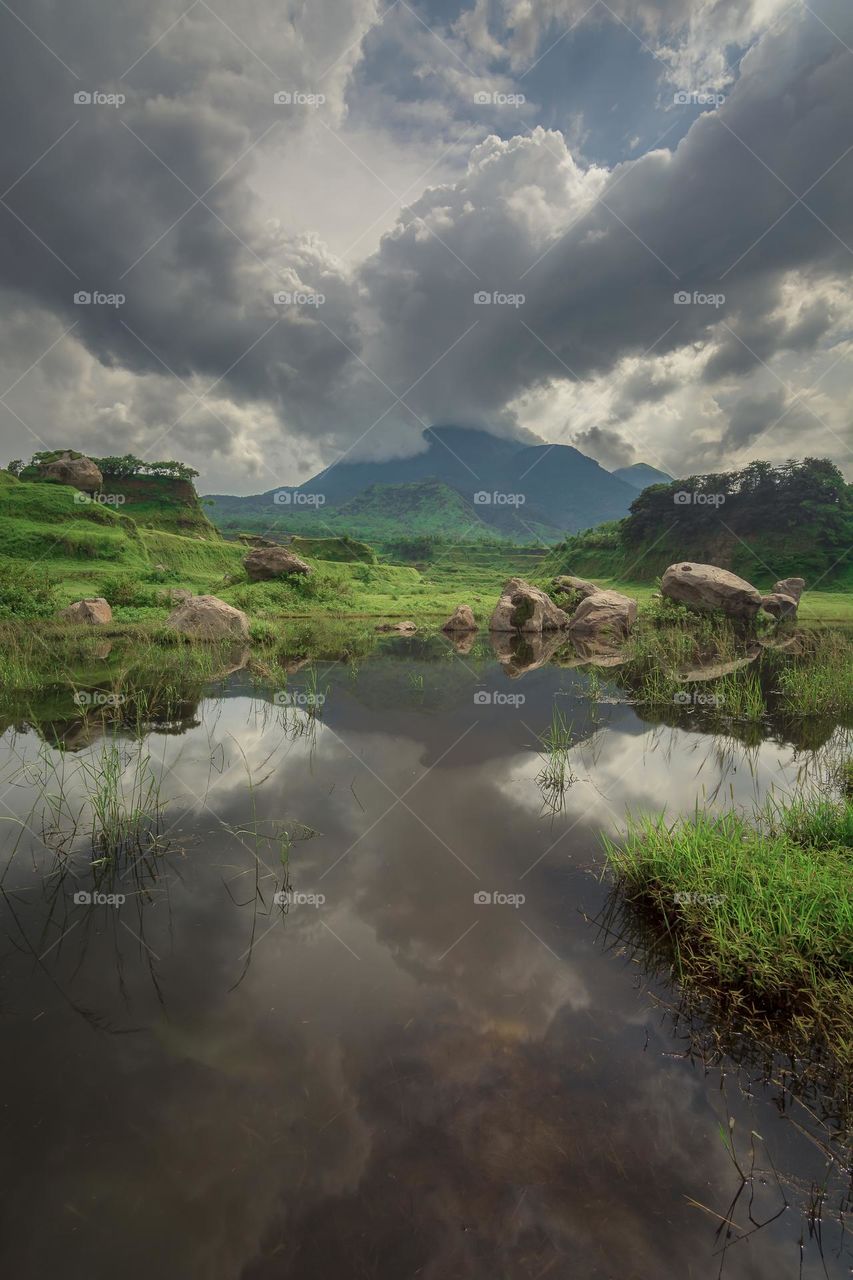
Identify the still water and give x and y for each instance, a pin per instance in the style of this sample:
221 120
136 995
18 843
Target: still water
364 1012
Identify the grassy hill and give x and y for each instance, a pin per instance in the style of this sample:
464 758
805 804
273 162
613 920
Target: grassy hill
762 523
160 502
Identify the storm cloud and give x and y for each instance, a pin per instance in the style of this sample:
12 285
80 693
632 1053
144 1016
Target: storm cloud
146 156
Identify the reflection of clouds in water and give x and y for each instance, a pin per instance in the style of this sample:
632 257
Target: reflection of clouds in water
456 1100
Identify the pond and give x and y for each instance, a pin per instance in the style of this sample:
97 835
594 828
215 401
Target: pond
351 997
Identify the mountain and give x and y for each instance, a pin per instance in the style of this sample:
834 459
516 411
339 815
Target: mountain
640 475
526 492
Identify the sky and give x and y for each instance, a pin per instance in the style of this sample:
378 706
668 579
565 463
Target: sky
270 237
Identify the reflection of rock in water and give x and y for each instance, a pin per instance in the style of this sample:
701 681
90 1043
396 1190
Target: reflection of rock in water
713 670
462 642
596 654
519 653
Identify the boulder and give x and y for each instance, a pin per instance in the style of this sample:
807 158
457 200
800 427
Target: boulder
526 608
707 588
405 628
461 619
793 587
273 562
209 618
95 611
81 473
606 614
779 605
566 584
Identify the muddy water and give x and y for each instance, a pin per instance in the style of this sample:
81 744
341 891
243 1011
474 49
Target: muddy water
428 1059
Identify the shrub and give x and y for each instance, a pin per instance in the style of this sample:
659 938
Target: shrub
26 591
125 590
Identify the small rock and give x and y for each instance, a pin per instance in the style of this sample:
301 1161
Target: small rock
607 613
209 618
95 611
780 605
793 587
404 628
461 619
265 563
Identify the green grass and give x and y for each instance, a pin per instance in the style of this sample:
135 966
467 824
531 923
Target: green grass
820 681
762 909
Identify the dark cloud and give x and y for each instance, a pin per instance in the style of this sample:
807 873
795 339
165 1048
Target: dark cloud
597 254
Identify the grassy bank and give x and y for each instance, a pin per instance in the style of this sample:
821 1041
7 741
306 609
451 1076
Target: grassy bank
760 912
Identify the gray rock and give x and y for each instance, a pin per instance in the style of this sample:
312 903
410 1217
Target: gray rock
96 612
526 608
606 614
793 587
209 618
779 605
265 563
709 589
566 584
404 628
81 473
461 619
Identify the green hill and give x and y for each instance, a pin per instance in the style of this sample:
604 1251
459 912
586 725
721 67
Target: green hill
763 523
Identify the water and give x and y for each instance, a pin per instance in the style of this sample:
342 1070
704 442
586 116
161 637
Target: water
384 1075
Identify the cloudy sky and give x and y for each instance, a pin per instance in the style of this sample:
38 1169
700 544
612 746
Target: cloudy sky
287 215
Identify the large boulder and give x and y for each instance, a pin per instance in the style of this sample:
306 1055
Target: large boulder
567 585
273 562
793 587
707 588
779 605
526 608
461 619
605 615
209 618
96 612
81 473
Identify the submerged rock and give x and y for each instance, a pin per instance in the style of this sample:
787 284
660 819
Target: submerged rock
461 619
713 670
209 618
265 563
404 628
605 614
707 588
526 608
96 612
